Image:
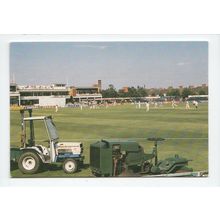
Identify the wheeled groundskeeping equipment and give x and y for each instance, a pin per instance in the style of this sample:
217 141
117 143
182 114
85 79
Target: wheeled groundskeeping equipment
115 158
31 156
107 157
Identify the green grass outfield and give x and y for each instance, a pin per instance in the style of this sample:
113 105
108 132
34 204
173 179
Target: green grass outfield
186 131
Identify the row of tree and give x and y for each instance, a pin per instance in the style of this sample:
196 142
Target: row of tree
112 92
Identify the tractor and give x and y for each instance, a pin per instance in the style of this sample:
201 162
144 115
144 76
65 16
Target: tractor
31 156
124 158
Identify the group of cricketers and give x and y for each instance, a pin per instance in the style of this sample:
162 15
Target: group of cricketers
147 105
173 105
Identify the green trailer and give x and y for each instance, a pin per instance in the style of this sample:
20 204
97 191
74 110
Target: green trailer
117 157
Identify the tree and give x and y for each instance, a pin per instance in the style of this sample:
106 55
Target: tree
161 93
132 92
186 92
202 92
173 92
110 92
141 91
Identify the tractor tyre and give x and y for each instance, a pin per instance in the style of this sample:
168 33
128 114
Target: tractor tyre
70 166
29 163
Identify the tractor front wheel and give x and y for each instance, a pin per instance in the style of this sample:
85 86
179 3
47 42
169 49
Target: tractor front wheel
70 166
29 163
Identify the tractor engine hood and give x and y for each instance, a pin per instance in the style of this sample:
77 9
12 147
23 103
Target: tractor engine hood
69 147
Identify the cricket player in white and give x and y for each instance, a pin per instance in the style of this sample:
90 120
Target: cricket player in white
173 104
147 107
196 104
56 108
187 105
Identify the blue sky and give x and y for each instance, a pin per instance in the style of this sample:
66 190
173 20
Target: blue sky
153 64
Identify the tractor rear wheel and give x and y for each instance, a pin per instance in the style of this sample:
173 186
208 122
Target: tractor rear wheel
70 166
29 163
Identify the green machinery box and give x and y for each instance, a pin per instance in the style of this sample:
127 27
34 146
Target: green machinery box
103 153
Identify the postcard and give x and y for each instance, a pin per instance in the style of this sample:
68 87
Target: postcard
109 109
